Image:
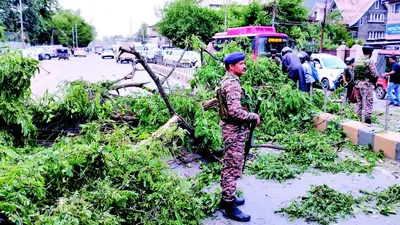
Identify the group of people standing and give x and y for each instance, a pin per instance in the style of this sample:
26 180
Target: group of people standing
236 117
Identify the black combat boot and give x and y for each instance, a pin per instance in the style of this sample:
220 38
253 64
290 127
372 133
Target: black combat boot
368 121
239 201
232 212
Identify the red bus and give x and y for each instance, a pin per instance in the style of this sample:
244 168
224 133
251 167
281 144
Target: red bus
262 38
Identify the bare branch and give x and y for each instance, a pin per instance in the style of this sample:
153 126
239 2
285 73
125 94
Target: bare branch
182 122
139 85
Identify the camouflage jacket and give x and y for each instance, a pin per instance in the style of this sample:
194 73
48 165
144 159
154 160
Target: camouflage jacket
366 73
231 100
277 60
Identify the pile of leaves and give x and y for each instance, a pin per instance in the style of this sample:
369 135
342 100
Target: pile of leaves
324 205
100 177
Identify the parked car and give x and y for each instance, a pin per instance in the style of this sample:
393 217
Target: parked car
329 67
62 53
31 53
107 53
189 59
151 55
79 52
38 52
47 52
159 56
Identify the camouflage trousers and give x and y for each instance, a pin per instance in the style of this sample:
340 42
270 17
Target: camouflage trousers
234 142
369 92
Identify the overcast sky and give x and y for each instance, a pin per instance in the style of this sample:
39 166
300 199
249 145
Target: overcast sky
112 17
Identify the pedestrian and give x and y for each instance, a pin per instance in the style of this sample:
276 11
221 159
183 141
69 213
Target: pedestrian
394 84
291 64
275 58
307 70
235 121
365 77
348 76
211 46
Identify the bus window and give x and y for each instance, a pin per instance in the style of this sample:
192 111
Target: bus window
265 44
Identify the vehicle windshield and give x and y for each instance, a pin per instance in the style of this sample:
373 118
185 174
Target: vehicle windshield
107 49
265 44
333 63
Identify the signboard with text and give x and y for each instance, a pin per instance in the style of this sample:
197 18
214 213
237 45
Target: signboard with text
393 28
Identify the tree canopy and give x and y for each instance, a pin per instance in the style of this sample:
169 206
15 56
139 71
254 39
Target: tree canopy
36 16
182 18
63 23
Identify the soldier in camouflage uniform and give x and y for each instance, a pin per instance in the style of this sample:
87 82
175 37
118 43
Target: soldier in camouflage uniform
235 120
365 75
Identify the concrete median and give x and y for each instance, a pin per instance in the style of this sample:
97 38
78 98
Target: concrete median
364 134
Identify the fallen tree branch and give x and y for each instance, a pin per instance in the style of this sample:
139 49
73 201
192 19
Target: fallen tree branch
269 146
171 110
210 104
139 85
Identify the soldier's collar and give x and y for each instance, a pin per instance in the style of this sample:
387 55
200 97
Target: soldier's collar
232 75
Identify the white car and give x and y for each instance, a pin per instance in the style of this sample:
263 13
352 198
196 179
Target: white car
329 67
189 59
107 53
31 53
79 52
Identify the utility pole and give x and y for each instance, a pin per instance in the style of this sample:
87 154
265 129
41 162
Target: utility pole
226 12
274 14
323 27
143 33
22 25
76 35
73 37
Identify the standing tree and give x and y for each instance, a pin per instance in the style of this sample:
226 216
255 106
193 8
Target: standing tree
36 17
142 33
183 18
63 23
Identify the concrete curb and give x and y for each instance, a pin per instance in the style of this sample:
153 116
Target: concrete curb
364 134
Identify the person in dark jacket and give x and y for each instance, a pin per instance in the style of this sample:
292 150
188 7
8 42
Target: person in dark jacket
293 67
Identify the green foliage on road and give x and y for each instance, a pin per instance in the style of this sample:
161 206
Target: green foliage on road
101 177
63 22
16 123
325 205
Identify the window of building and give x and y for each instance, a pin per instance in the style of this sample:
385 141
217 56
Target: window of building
376 17
377 4
396 8
373 35
362 21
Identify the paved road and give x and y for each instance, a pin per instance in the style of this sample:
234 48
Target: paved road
91 68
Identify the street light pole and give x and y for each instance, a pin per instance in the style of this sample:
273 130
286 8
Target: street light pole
273 14
226 12
76 35
321 44
22 25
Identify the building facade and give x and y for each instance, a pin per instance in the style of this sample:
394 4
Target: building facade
393 21
366 19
